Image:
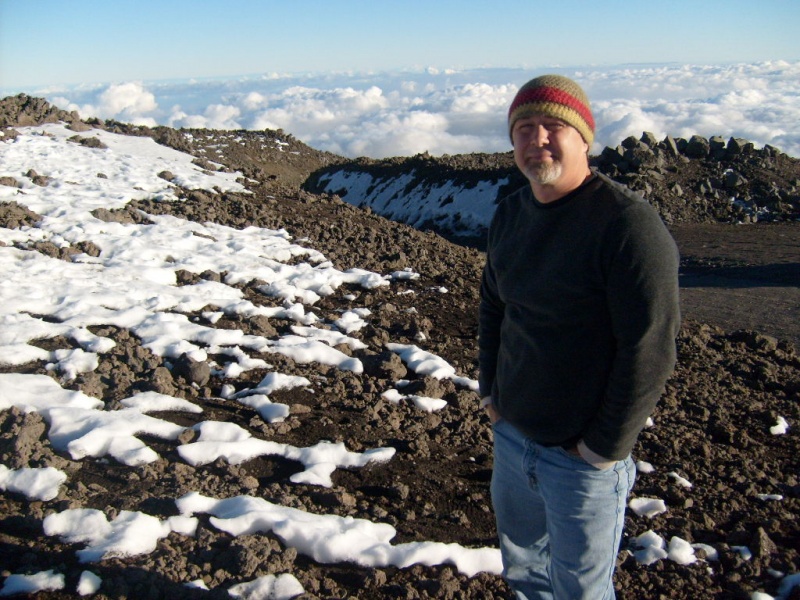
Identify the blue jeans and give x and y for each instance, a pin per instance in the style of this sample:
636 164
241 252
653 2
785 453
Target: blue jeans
559 519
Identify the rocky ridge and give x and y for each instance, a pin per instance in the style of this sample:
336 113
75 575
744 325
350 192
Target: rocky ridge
699 180
712 424
272 158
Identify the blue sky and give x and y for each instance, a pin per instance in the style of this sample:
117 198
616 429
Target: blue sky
45 42
378 78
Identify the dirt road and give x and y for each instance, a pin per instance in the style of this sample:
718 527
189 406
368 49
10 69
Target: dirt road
742 277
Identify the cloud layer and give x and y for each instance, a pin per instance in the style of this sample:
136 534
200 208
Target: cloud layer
449 112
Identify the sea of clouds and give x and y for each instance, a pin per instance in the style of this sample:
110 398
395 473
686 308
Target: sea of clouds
453 112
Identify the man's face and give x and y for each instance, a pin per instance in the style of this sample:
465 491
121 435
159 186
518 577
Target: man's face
547 149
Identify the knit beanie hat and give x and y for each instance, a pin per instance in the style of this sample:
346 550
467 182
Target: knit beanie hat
555 96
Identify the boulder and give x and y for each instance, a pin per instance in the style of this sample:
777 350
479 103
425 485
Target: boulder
698 147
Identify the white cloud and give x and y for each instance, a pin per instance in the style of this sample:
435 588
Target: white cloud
127 98
622 119
449 112
400 135
483 98
254 101
216 116
129 102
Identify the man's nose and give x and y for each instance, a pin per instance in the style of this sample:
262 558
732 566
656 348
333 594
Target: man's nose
540 136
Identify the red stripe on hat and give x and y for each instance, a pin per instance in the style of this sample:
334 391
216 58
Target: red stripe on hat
551 94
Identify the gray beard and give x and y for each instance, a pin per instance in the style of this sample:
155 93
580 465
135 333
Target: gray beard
545 173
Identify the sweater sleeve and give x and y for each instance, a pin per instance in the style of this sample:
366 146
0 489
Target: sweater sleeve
641 261
490 320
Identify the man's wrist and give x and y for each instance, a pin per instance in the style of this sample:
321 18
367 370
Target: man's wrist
592 457
486 401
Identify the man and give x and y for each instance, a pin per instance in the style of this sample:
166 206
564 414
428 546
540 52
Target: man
578 319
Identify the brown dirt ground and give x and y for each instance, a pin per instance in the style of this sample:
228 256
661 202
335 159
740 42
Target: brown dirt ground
742 277
711 427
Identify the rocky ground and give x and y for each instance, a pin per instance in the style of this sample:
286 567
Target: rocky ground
738 371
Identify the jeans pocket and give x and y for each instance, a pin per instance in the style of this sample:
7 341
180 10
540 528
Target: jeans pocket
579 460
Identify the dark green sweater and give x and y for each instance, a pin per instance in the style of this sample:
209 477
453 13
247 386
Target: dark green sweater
579 314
